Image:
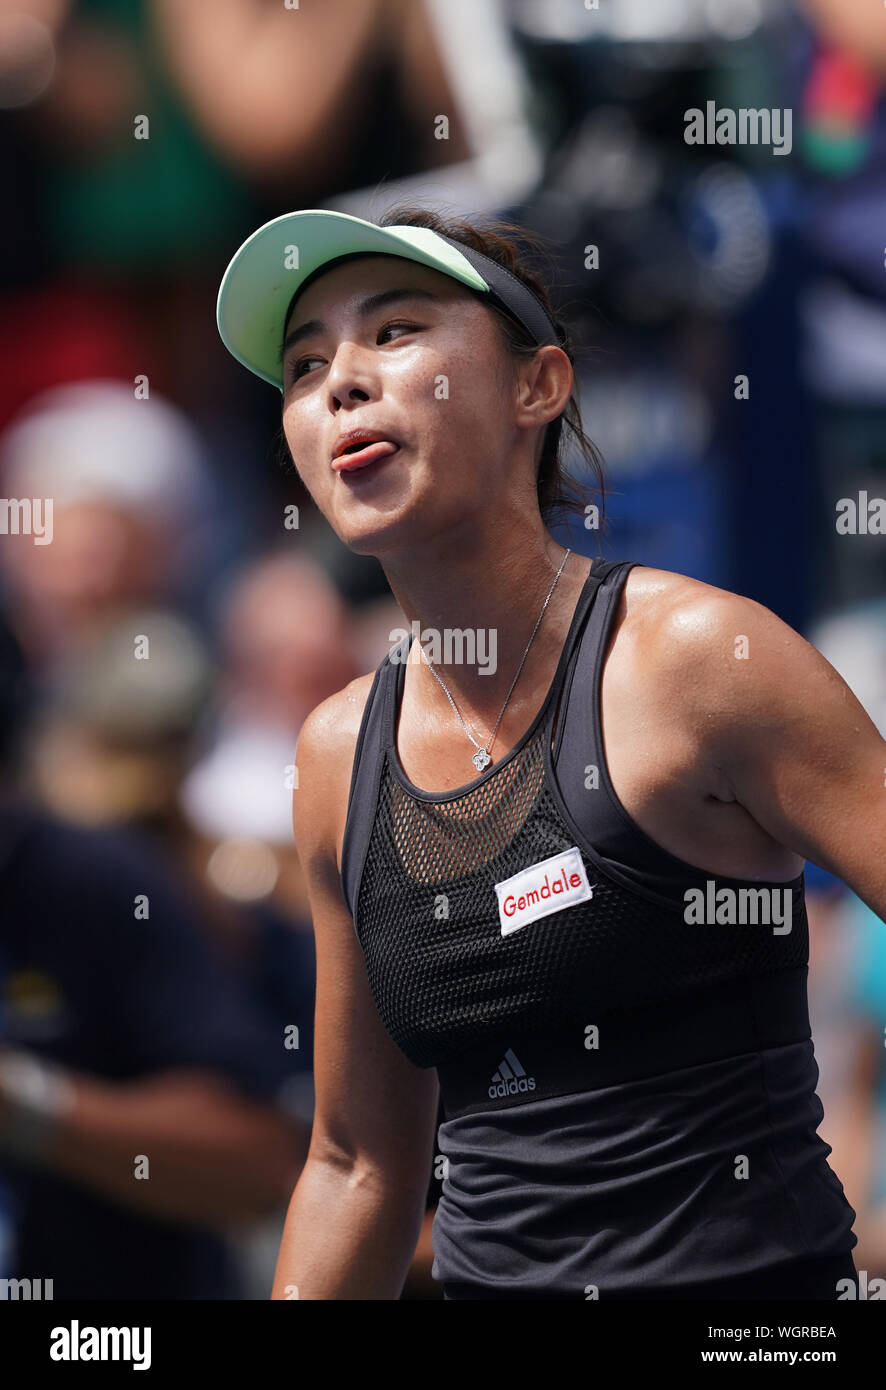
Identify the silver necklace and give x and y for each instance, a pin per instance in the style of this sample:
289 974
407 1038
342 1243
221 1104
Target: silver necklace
481 758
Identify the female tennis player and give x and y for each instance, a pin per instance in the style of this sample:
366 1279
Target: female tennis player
555 857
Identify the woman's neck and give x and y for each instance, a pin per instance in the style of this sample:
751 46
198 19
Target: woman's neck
474 615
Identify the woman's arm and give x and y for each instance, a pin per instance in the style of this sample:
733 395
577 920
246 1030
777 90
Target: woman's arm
356 1213
782 728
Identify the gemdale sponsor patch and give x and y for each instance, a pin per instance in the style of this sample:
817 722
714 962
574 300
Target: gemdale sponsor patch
541 889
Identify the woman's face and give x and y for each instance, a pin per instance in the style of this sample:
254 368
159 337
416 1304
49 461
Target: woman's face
427 369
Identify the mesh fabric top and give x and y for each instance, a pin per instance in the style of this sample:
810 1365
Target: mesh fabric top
445 979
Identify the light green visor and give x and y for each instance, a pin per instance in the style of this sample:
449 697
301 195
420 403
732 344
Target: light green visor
259 284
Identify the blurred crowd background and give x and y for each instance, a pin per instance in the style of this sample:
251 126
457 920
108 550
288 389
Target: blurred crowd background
161 648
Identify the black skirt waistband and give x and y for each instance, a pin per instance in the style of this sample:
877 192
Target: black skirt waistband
727 1020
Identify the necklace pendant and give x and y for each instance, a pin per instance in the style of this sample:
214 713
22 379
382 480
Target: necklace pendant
480 759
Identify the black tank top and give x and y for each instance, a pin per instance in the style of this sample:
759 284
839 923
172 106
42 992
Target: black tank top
627 1072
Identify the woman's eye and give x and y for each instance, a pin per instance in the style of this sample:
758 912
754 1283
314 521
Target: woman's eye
407 327
297 369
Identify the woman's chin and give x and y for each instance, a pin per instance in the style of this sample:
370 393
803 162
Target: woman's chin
379 533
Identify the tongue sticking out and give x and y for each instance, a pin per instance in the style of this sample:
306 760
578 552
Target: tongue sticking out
363 455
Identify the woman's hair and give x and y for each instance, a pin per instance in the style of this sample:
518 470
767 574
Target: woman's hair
558 491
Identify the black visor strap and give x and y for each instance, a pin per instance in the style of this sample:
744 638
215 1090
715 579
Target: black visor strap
518 298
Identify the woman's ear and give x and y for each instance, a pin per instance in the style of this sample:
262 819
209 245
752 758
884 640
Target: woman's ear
546 382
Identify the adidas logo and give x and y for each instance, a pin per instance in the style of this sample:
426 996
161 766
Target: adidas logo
510 1078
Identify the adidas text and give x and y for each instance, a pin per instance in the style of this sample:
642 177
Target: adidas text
511 1078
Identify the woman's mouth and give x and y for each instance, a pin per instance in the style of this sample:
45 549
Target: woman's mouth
356 459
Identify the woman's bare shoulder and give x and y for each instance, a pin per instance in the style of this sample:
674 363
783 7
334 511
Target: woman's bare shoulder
689 633
334 724
645 584
327 742
654 596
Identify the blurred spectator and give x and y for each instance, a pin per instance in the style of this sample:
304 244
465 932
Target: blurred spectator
286 644
113 748
147 137
841 64
118 733
368 75
144 1104
125 487
852 26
